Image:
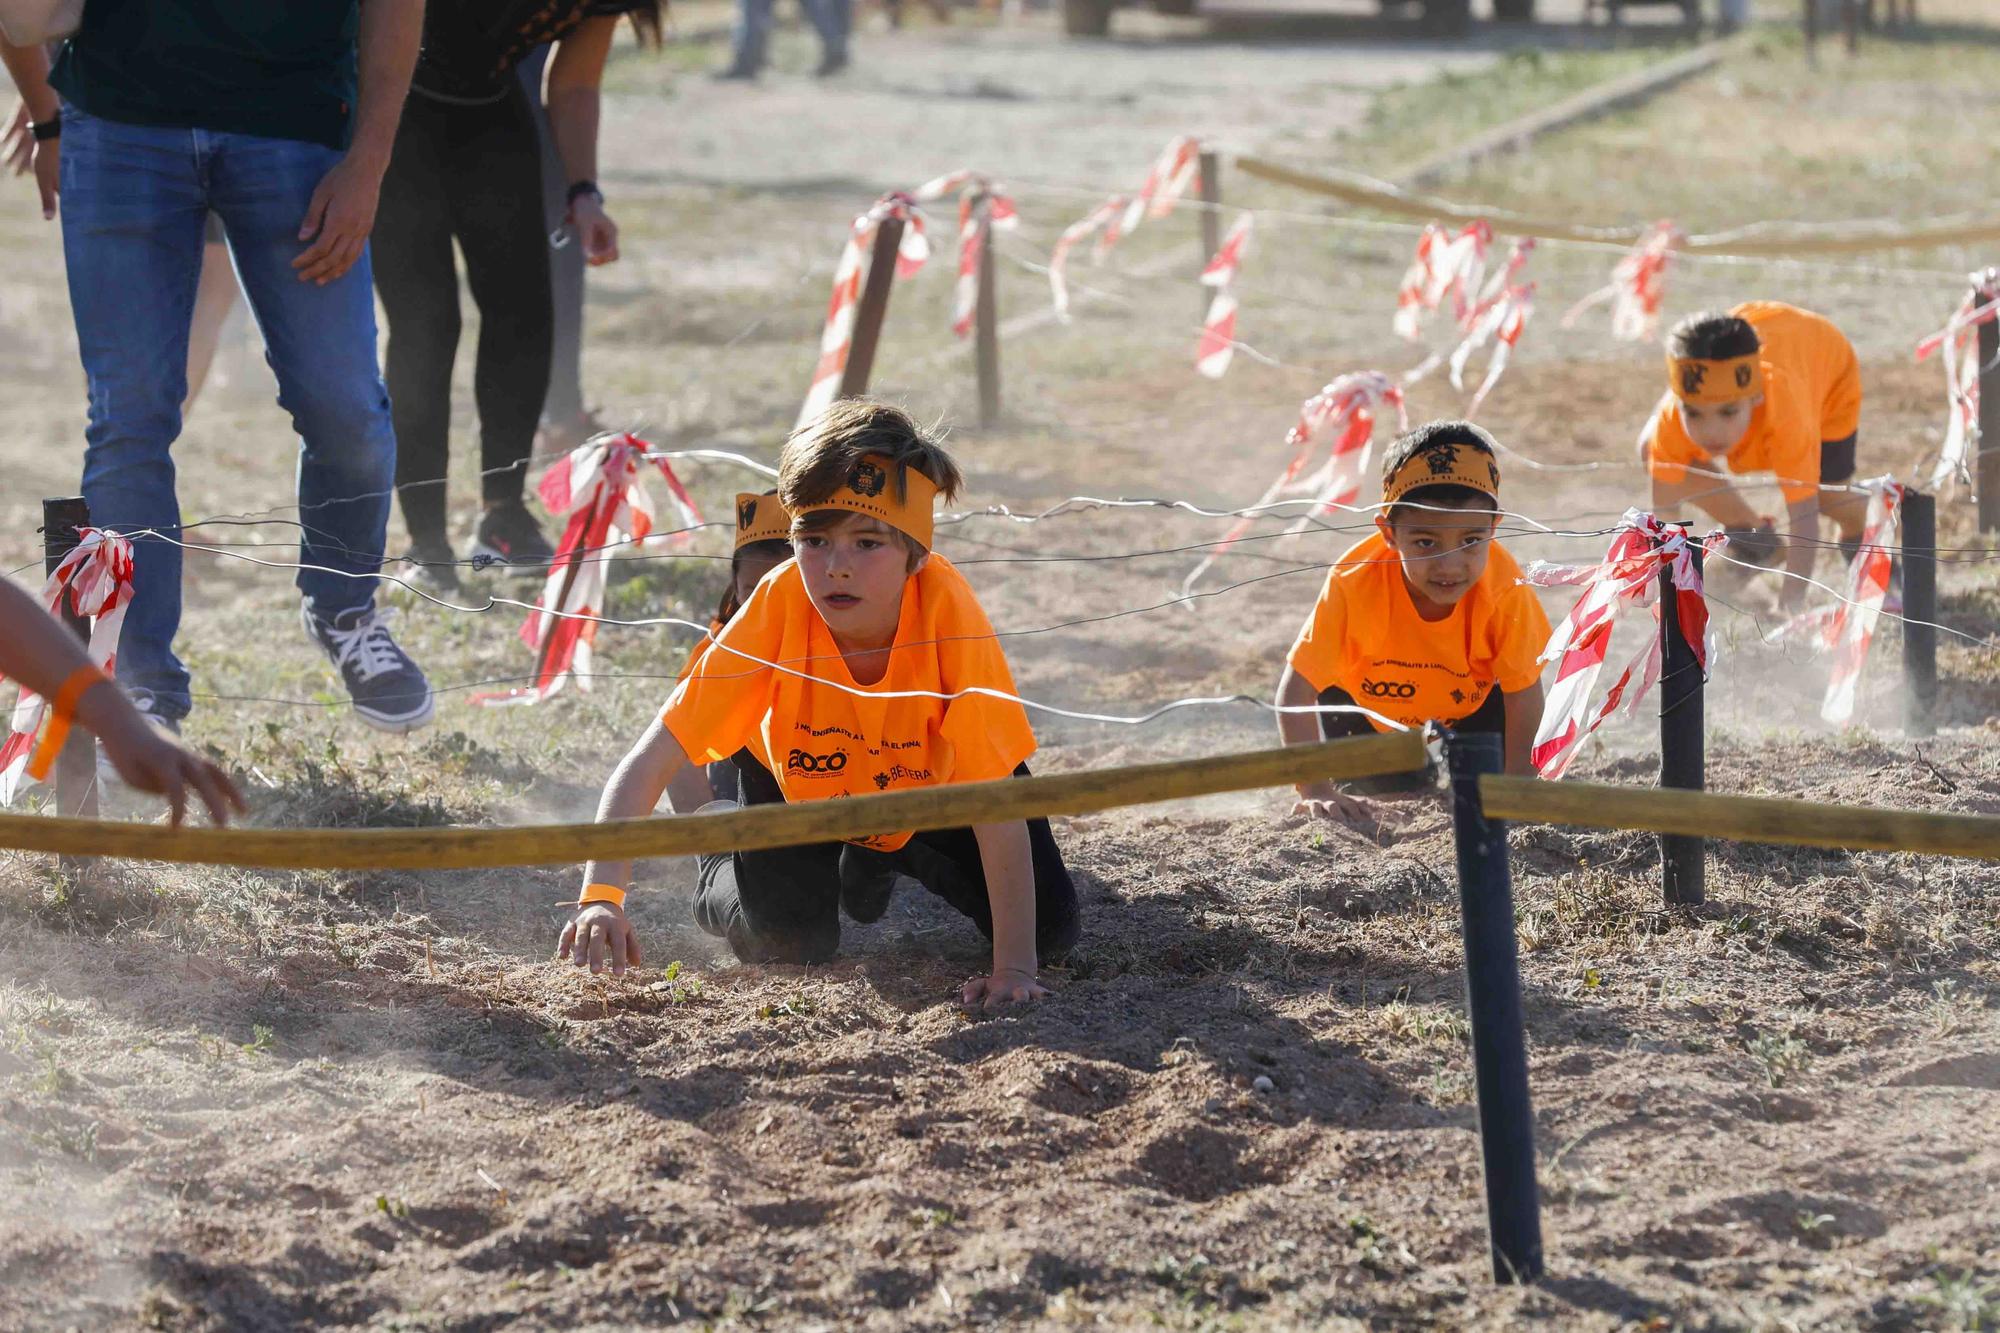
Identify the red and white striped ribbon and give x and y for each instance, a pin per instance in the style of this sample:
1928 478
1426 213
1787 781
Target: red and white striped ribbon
1444 265
1852 625
1501 323
1959 342
600 488
1173 173
95 579
1347 410
970 187
1218 332
1628 576
1638 286
836 340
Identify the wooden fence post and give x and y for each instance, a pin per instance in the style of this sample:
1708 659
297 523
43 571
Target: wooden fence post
1209 187
1919 613
873 308
1988 473
986 327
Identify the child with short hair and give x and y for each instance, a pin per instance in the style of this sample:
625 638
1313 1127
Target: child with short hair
46 658
822 687
1426 620
1766 387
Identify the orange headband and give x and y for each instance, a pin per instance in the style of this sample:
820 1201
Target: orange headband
1706 383
872 491
1444 464
760 518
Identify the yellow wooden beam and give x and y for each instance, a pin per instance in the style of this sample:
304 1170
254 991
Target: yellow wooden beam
1741 818
954 806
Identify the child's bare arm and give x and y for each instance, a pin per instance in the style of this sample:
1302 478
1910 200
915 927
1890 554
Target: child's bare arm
1010 885
1801 546
42 655
1524 718
689 791
1323 797
599 934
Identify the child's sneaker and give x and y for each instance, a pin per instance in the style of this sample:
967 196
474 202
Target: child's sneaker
509 536
388 689
430 566
867 882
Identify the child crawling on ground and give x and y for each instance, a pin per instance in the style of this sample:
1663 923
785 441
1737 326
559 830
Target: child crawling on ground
827 684
1766 387
46 658
1424 621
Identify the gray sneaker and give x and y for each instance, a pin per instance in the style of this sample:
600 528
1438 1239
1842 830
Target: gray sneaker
388 689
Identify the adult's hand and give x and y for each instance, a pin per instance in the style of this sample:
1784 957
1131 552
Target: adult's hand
338 220
594 229
17 144
48 174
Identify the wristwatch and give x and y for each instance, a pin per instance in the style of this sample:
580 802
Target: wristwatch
578 189
45 130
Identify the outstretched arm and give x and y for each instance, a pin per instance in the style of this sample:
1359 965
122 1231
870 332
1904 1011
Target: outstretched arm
1323 798
599 933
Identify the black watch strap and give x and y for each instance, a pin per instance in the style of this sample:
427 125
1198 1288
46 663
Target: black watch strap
45 130
578 189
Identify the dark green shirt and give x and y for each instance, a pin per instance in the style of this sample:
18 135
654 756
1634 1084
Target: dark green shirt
283 69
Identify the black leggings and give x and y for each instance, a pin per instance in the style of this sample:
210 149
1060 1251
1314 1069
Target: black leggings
1490 717
783 905
473 174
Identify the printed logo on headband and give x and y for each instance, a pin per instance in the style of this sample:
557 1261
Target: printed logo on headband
1692 375
1709 382
869 480
746 512
1444 464
760 518
1744 374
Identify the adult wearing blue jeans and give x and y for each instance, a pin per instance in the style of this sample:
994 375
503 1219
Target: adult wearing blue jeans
173 109
833 19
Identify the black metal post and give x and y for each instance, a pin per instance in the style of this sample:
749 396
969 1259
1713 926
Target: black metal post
1989 419
76 766
986 327
872 308
1683 762
1493 1000
1919 613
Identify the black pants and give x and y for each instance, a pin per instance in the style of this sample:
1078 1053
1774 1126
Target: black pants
1489 717
471 174
783 905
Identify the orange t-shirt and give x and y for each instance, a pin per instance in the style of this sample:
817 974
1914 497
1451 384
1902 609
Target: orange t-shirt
1365 636
822 741
695 653
1812 394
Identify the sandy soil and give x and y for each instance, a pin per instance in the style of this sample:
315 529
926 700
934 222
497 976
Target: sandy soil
251 1101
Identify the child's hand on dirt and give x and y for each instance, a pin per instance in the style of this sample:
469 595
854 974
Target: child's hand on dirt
1322 800
154 762
599 934
1007 986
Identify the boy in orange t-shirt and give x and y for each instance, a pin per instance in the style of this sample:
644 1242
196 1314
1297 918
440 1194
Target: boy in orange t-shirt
828 684
1767 387
1425 621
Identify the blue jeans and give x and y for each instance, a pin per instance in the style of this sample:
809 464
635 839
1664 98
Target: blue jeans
832 19
134 201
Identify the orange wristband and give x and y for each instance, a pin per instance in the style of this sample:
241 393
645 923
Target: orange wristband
62 708
601 893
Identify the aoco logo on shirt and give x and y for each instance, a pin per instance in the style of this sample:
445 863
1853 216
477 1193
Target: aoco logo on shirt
825 765
1388 689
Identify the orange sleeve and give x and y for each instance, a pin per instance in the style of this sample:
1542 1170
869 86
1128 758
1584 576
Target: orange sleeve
989 737
1316 654
1520 632
1793 428
719 705
1669 449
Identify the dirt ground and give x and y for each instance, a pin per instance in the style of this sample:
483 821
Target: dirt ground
247 1100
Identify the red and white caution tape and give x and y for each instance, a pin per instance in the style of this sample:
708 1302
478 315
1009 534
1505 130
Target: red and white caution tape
1853 622
1500 323
1959 342
1173 173
1638 286
1445 265
1002 215
1629 575
1346 410
1218 330
600 487
96 580
836 340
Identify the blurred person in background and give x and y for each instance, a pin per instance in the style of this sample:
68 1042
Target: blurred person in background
832 19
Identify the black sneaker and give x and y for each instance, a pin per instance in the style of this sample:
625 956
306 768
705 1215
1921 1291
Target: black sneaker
867 882
735 74
430 566
830 65
509 536
388 689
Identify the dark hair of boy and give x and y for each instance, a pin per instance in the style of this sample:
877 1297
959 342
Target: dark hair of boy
774 550
823 455
1436 435
1713 336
